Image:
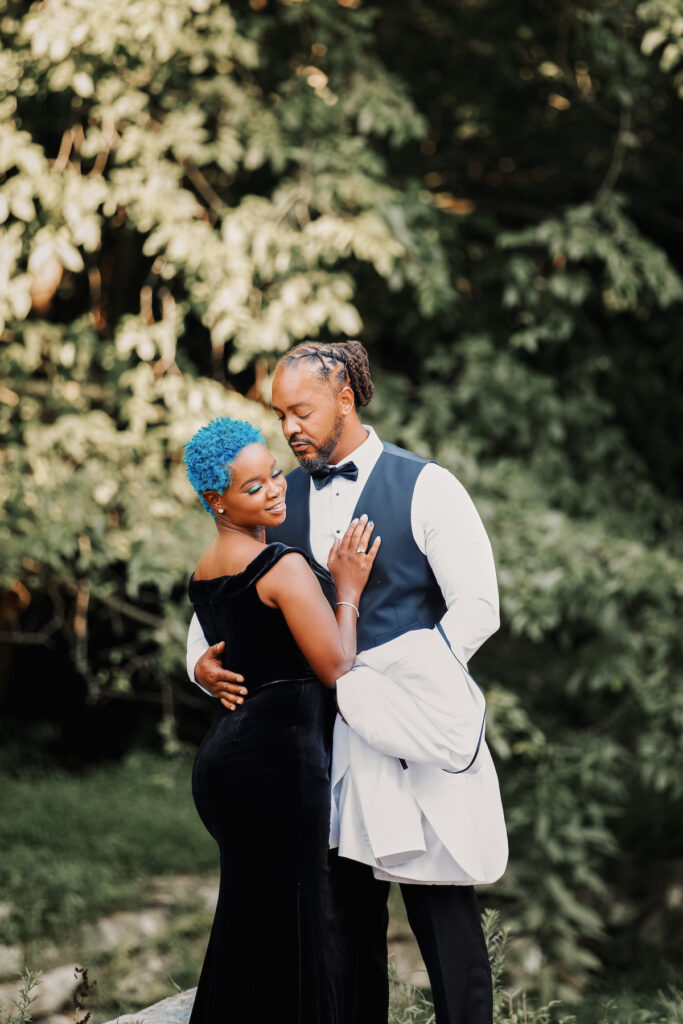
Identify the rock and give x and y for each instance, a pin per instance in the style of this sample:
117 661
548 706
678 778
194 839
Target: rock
405 955
673 897
54 991
57 1018
174 1010
11 961
149 978
128 930
533 959
410 968
172 890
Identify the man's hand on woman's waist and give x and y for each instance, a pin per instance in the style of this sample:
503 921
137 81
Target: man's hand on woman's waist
219 681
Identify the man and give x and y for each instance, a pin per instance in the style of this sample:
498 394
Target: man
434 571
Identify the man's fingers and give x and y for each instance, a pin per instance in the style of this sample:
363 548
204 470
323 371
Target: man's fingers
233 688
230 698
234 693
213 654
224 675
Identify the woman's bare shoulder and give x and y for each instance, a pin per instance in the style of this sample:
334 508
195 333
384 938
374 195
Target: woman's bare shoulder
291 563
290 573
225 559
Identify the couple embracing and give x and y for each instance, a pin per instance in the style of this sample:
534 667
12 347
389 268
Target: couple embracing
336 611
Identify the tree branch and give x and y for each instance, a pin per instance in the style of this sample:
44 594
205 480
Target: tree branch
115 603
214 201
618 156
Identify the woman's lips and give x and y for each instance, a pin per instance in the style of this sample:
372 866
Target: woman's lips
278 507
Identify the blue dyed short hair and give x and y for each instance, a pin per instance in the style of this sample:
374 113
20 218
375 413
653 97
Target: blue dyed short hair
210 452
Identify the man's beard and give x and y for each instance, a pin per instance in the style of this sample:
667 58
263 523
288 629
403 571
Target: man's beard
324 449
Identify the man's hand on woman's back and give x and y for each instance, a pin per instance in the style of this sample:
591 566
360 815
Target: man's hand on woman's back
227 686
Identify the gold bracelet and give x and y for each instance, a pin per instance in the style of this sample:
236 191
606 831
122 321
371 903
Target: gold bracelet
350 606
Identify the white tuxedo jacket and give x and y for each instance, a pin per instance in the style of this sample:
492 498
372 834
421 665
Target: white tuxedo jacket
439 819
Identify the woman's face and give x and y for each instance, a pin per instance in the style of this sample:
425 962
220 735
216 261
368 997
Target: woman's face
256 494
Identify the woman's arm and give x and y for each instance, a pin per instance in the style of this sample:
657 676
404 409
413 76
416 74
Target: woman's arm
328 642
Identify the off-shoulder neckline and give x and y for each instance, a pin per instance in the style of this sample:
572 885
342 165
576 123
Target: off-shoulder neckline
236 575
213 590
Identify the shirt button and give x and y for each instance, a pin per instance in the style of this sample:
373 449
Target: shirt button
338 531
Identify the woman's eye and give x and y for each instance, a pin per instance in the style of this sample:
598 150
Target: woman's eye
254 489
276 472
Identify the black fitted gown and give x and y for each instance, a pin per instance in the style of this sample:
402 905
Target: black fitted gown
261 784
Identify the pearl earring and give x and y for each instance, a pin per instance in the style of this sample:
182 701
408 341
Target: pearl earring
221 510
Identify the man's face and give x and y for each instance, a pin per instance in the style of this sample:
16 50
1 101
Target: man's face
307 408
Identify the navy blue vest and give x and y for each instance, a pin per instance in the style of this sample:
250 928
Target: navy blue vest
402 592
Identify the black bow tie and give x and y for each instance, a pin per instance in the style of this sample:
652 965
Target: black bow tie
322 477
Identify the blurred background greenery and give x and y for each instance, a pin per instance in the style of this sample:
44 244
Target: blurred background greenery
488 194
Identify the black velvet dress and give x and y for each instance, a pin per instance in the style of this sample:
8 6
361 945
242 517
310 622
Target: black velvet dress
261 784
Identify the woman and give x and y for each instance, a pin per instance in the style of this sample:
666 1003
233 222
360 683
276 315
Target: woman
261 777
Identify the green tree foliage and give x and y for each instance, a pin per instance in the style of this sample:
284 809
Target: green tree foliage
491 193
172 200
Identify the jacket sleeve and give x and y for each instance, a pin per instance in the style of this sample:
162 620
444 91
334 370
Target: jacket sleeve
411 698
448 530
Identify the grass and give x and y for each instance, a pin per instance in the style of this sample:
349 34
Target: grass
74 846
513 1007
28 993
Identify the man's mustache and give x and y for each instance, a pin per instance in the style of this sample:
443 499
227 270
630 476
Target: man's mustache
301 440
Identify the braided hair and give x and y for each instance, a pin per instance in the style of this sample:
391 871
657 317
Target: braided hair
346 362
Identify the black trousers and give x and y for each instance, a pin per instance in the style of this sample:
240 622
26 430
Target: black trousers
445 921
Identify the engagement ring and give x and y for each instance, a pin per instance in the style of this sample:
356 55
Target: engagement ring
360 551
